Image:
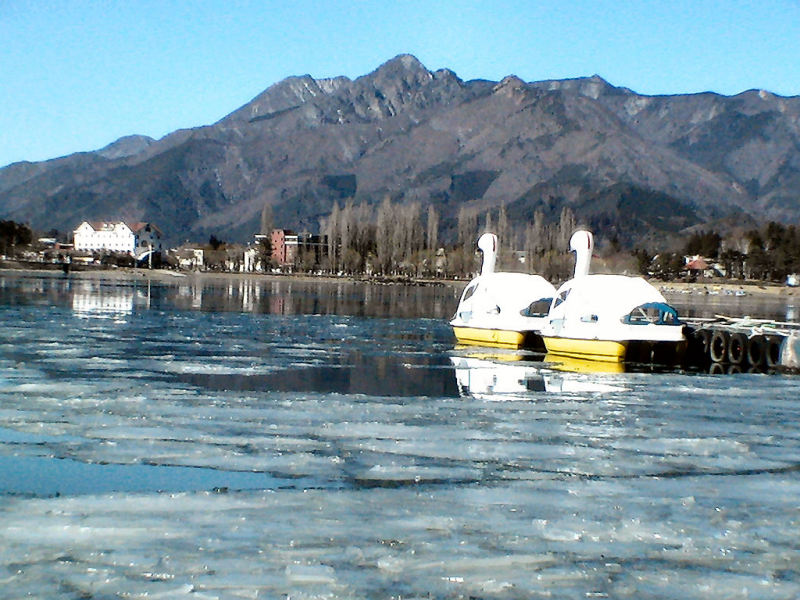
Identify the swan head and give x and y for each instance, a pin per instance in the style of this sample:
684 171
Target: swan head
582 244
487 244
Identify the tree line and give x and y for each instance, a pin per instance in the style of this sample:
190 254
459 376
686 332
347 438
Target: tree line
768 253
395 239
402 239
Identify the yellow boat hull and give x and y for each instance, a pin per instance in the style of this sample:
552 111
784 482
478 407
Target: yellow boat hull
602 350
496 338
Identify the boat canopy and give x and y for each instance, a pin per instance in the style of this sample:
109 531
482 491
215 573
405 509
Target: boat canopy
510 292
503 300
602 297
656 313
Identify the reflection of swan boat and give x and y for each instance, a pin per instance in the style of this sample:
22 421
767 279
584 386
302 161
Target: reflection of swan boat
502 377
582 365
492 380
609 317
505 310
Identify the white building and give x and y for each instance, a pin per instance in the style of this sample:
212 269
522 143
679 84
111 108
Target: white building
189 258
129 238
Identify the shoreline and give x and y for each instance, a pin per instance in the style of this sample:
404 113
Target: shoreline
698 288
166 275
726 288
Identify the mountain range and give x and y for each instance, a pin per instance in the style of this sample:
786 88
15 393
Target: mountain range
630 166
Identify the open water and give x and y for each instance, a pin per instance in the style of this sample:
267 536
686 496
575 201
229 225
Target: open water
258 439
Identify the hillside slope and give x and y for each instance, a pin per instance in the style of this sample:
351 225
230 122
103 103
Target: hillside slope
634 165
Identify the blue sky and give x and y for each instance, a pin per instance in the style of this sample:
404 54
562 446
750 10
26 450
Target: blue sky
78 74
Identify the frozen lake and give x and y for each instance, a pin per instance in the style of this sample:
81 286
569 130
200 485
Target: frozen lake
276 439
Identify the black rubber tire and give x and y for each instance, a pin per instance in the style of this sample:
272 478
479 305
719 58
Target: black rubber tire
703 337
773 353
757 350
716 369
737 348
718 346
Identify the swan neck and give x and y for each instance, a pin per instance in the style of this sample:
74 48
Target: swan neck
583 260
488 245
582 244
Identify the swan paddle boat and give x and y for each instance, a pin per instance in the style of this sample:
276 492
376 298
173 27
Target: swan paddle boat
610 318
504 310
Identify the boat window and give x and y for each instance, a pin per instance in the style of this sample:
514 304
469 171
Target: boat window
589 319
537 308
469 291
561 297
656 313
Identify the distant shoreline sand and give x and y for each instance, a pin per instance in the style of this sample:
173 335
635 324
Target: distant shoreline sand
710 287
749 288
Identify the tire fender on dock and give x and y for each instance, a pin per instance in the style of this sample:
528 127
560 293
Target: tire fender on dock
718 346
703 337
773 351
756 350
737 348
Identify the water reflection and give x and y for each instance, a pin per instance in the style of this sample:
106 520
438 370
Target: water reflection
765 306
382 375
88 293
293 297
792 313
90 298
509 376
290 296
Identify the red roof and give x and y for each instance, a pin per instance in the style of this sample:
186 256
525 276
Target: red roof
135 227
698 264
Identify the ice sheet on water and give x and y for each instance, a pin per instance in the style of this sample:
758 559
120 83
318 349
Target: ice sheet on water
229 368
299 458
518 541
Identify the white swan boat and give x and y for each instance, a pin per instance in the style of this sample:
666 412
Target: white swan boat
504 310
610 317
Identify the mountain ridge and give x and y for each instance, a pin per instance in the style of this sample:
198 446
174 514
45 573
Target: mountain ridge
413 134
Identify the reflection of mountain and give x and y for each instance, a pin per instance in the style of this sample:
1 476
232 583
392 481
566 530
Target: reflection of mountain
498 378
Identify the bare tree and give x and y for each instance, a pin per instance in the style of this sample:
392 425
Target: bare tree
566 227
432 237
504 238
535 241
347 231
332 232
383 234
503 231
467 227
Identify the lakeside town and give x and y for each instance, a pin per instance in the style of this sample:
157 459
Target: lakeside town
708 264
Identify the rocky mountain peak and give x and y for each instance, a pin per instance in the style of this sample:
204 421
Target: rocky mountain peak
401 71
632 165
128 145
